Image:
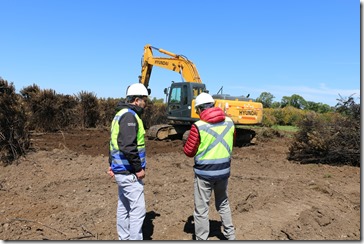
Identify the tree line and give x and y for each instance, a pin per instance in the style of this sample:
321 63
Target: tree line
296 101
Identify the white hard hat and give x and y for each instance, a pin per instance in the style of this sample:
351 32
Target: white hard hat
137 89
204 98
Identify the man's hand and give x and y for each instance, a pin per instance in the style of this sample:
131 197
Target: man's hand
140 174
109 172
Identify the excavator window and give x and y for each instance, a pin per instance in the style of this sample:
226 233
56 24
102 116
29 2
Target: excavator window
176 95
196 91
184 95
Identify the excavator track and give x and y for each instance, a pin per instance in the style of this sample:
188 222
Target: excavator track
161 132
244 137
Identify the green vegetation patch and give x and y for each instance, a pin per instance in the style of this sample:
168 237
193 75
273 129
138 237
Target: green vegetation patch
288 128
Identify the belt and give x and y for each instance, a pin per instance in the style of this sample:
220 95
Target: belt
125 172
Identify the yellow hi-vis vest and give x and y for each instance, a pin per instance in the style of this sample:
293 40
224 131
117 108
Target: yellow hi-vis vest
118 160
213 157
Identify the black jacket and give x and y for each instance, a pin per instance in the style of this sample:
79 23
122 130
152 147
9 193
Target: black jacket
127 139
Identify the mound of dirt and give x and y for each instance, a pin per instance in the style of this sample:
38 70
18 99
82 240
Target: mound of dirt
61 191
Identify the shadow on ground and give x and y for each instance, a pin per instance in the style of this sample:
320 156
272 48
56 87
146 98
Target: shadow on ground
148 226
215 229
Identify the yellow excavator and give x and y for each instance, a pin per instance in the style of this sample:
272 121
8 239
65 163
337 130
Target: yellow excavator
181 99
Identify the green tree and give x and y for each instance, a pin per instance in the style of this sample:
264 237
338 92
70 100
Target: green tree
276 104
155 100
266 99
318 107
295 101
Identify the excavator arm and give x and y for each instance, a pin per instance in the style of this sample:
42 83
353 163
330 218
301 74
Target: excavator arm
174 62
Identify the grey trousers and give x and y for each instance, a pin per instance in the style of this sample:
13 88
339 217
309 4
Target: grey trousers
202 195
131 207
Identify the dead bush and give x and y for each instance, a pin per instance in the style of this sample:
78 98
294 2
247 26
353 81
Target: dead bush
89 109
107 111
154 114
45 108
67 115
267 133
328 140
49 111
14 134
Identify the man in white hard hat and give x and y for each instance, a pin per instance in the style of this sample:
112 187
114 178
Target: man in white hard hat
127 162
210 142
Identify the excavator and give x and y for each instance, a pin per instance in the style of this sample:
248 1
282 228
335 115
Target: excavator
181 96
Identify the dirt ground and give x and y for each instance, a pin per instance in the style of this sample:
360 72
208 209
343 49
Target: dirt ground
61 191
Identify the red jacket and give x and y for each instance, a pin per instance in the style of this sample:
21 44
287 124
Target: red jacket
210 115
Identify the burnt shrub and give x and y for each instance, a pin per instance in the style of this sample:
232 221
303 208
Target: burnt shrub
89 109
44 110
67 114
324 139
14 133
107 111
154 114
48 111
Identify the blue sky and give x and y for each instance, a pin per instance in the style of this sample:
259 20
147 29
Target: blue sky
285 47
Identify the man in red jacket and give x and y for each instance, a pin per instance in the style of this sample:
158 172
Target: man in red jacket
210 142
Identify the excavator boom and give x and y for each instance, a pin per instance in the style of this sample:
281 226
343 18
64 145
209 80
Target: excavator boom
176 63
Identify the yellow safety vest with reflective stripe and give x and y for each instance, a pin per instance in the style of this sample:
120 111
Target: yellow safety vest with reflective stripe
118 160
213 157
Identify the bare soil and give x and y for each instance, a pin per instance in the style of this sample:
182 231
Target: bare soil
60 191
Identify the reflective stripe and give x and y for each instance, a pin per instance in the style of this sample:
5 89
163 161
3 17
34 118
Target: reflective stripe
212 173
212 161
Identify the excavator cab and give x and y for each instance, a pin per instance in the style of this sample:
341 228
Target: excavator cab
180 110
180 101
